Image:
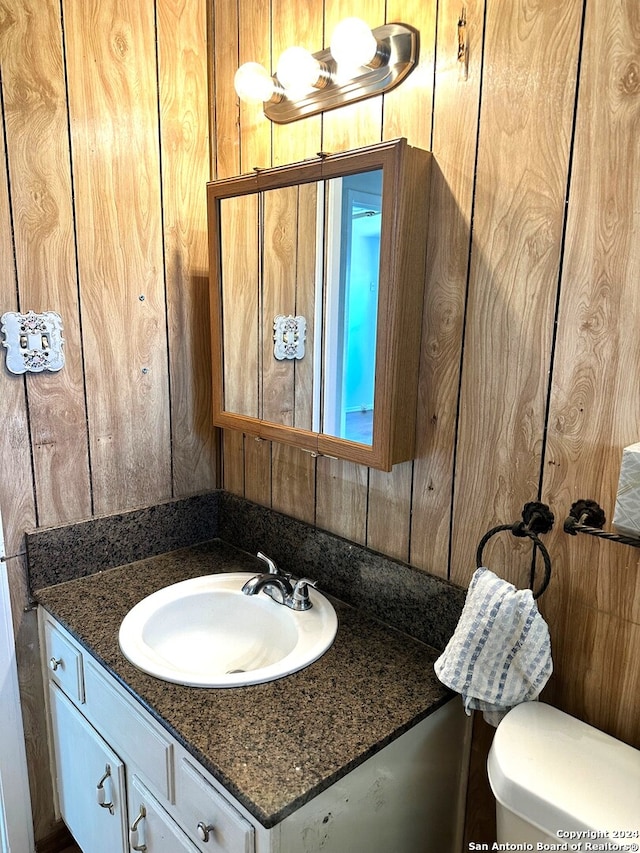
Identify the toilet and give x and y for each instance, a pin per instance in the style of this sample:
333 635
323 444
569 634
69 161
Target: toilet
560 784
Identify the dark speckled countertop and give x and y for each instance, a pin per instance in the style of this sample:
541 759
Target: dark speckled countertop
273 746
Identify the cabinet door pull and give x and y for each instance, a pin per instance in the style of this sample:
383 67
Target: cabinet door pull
101 793
54 663
204 830
135 841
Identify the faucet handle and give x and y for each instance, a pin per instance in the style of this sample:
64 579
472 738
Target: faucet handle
271 564
300 597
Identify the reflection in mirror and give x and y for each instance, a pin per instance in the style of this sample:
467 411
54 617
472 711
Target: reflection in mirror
354 205
278 246
239 299
288 288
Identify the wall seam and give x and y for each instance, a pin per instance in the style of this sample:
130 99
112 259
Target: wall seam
17 293
76 257
163 243
563 239
466 297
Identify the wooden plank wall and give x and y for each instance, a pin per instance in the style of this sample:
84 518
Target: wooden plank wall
530 355
104 159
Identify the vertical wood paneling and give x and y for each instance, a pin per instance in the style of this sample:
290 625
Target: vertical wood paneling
342 486
455 125
525 128
294 472
356 124
407 113
111 61
297 24
305 304
595 406
18 513
407 110
38 153
240 303
225 61
225 143
280 229
43 440
254 46
257 470
184 140
16 484
121 113
341 498
293 482
233 461
255 152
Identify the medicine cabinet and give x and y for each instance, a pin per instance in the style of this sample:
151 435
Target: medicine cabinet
317 276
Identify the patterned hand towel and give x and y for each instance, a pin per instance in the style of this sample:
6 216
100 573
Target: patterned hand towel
500 652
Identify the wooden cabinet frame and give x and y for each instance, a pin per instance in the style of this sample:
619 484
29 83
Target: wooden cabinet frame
405 205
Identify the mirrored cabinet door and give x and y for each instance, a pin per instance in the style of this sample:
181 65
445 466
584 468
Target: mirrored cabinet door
351 281
288 296
239 299
317 278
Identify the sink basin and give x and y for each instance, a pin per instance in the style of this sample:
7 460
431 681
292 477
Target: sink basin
204 632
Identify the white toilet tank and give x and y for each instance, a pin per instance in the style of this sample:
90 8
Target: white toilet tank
560 784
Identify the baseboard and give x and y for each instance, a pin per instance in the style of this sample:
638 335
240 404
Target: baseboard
56 841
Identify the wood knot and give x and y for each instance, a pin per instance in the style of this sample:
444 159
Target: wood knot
630 80
120 45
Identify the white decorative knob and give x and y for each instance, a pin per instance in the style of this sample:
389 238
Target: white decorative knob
204 830
54 663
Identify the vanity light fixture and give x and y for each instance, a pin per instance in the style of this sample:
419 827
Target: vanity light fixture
360 63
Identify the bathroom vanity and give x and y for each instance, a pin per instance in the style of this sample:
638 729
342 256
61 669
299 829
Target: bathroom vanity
361 751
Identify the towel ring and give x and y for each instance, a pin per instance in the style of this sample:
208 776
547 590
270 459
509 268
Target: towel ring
537 518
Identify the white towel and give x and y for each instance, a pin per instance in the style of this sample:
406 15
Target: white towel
500 652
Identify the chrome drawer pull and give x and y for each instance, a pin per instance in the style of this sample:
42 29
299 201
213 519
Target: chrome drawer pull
54 663
135 842
101 794
204 830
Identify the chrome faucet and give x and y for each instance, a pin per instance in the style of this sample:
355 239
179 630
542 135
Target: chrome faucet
277 585
271 565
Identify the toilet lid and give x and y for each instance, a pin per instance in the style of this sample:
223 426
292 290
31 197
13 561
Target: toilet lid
562 775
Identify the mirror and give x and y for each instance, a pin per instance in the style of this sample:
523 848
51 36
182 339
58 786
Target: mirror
305 247
306 291
353 230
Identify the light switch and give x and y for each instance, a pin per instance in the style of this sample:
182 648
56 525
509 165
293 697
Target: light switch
289 335
33 341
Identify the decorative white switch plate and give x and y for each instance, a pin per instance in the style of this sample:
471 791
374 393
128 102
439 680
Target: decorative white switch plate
289 335
33 341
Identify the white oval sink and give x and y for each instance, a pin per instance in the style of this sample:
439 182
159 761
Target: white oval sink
204 632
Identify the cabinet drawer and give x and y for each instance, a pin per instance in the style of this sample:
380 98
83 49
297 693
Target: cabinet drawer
150 827
64 661
121 722
201 806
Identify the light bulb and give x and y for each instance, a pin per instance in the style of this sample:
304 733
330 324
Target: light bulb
298 70
353 44
253 83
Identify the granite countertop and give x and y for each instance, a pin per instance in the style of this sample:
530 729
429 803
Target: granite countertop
273 746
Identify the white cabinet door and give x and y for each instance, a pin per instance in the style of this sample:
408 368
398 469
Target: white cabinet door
90 780
151 829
